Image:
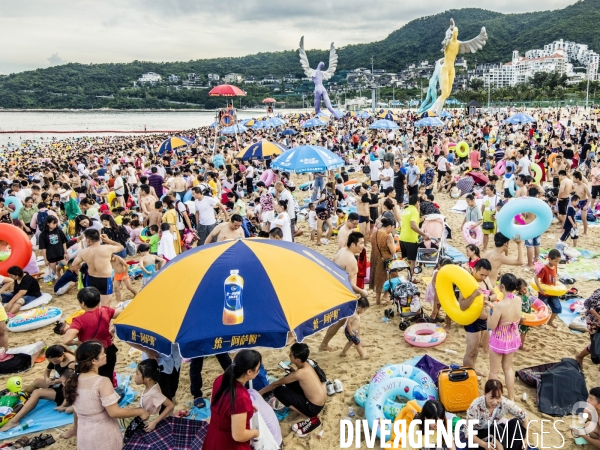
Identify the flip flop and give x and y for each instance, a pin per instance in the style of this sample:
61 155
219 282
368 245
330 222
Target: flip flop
40 359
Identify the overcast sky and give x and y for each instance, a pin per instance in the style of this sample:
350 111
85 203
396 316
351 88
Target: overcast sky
41 33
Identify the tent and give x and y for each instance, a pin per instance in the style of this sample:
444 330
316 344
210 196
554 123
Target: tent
474 103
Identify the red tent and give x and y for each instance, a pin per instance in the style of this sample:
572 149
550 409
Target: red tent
226 90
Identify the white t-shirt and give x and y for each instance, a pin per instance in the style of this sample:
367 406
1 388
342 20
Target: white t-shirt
312 220
389 172
205 209
375 166
180 222
118 187
286 195
249 172
283 219
524 162
442 163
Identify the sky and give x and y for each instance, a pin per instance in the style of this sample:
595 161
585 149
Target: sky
42 33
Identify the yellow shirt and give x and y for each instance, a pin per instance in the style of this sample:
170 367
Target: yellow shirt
407 234
213 187
119 220
342 220
420 163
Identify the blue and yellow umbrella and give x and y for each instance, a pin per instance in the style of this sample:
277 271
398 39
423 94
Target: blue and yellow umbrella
237 294
428 114
260 150
173 143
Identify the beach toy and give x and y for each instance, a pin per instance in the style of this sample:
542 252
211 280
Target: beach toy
512 188
448 276
187 196
390 409
20 247
537 170
360 396
4 256
519 220
70 318
9 401
543 218
350 182
472 236
551 159
557 290
539 316
267 177
500 168
43 299
462 149
34 318
386 373
110 198
408 413
16 206
14 384
306 186
425 335
145 235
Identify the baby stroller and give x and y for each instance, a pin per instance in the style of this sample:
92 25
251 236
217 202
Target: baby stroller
404 296
430 252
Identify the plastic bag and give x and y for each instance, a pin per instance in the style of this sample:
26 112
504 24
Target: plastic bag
265 440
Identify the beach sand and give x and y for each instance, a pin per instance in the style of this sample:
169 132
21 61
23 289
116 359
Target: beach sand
546 345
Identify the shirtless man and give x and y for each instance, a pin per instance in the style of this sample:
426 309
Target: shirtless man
346 259
227 230
498 255
362 208
477 331
178 185
348 227
521 182
564 192
146 200
97 257
582 189
301 390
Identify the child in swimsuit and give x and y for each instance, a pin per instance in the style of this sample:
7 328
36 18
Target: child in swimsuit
148 263
121 268
523 291
352 330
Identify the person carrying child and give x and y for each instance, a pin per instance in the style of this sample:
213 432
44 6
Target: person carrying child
352 330
548 275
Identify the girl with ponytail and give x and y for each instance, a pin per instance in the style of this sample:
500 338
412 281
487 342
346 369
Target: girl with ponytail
95 402
231 407
152 399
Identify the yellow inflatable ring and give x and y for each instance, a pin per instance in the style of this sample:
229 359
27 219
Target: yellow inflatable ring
462 149
407 415
112 196
557 290
448 276
537 171
551 159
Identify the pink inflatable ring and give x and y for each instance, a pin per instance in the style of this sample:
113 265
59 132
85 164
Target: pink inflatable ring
425 334
475 240
267 177
500 168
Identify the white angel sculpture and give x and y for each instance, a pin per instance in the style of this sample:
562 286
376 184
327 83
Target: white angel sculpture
451 47
318 76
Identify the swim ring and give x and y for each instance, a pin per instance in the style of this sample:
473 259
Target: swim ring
145 235
390 409
43 299
305 186
386 373
110 198
557 290
446 278
408 413
267 177
70 318
500 168
543 218
17 204
187 196
462 149
551 159
472 236
20 247
537 170
425 334
539 316
34 318
512 188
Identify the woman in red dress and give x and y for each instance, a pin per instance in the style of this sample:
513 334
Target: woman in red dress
231 406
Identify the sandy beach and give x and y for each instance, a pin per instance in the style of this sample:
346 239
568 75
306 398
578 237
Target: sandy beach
546 344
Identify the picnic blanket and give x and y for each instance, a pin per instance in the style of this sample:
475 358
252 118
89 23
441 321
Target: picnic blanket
172 433
585 253
568 316
456 255
45 417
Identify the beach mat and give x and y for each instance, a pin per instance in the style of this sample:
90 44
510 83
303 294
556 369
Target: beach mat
171 433
568 316
45 417
585 253
456 255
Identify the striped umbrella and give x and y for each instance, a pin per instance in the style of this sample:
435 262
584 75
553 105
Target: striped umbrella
233 129
276 121
314 122
237 294
261 149
174 142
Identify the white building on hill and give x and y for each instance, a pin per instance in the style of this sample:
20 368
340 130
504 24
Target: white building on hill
577 55
150 77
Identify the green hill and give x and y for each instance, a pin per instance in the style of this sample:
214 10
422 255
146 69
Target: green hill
78 85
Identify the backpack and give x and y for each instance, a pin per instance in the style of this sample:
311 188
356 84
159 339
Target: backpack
41 219
192 217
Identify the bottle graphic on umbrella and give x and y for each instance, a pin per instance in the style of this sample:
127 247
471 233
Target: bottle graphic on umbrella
233 309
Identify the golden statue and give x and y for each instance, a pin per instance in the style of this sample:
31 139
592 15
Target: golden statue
451 48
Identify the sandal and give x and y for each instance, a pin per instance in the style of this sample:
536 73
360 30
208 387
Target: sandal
23 441
42 441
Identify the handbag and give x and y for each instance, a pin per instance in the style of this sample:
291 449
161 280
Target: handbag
487 225
595 348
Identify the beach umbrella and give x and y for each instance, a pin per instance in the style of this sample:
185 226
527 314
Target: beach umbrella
276 121
262 124
233 129
384 124
226 90
269 100
365 115
244 121
289 132
322 116
479 178
445 114
388 115
428 114
261 149
250 123
237 294
174 142
307 158
429 122
314 122
465 185
520 118
350 114
214 125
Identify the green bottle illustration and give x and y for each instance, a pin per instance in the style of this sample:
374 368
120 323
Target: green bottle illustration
233 310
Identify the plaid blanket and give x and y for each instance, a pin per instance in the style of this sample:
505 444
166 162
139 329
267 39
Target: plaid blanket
532 376
172 433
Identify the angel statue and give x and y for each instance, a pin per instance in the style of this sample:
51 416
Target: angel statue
452 47
318 76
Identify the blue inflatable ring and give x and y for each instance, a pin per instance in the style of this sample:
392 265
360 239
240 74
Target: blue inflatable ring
390 408
13 201
187 196
505 218
410 372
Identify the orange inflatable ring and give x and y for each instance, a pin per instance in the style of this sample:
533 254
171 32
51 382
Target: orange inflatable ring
225 122
551 159
20 247
539 316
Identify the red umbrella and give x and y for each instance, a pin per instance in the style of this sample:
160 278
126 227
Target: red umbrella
479 178
227 90
269 100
